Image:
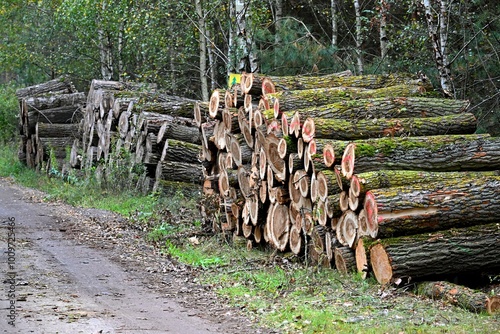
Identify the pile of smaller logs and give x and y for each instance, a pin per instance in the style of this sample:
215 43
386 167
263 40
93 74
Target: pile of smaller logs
48 122
129 125
371 173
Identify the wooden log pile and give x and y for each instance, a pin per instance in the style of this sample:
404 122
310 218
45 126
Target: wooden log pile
374 174
149 135
48 122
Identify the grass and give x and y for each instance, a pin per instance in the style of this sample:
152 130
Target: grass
276 290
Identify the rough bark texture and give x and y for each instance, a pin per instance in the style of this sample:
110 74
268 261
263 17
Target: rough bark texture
435 206
443 252
397 127
434 153
381 107
298 99
395 178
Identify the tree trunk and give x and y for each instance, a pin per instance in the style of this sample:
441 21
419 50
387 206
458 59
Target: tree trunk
203 50
444 252
469 299
439 39
434 206
359 37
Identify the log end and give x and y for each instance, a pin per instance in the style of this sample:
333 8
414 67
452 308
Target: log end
493 305
381 264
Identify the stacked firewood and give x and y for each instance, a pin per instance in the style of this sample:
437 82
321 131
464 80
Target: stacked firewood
136 125
371 173
48 122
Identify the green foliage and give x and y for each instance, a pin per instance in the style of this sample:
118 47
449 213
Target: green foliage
9 110
295 51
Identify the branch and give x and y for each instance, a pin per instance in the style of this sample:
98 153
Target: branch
472 39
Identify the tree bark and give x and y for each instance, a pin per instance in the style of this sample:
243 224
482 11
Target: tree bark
345 261
60 85
181 151
444 252
34 103
298 99
396 178
432 153
179 171
434 206
381 107
340 129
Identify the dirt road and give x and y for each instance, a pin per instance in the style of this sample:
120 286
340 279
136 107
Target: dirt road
71 275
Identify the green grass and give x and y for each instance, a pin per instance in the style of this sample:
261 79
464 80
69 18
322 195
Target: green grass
81 191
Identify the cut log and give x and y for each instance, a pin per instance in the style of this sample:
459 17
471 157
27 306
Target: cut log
435 153
345 261
257 84
296 240
60 115
461 296
179 171
51 101
433 206
176 150
60 85
279 226
172 130
344 79
395 178
299 99
382 107
444 252
57 130
340 129
347 229
362 258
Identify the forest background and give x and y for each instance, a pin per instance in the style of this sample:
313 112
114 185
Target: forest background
189 47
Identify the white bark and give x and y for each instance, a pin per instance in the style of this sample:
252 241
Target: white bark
333 11
439 40
359 37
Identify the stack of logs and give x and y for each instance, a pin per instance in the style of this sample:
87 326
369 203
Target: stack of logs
371 173
135 125
48 122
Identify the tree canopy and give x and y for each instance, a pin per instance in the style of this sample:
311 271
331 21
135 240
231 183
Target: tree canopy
189 47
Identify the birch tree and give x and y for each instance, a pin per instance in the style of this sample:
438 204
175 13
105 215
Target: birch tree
438 35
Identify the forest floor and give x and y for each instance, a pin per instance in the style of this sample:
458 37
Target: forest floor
86 271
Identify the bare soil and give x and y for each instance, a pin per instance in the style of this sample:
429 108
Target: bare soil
86 271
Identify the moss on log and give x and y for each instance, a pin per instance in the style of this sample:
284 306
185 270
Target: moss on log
298 99
395 178
431 153
396 127
381 107
422 207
